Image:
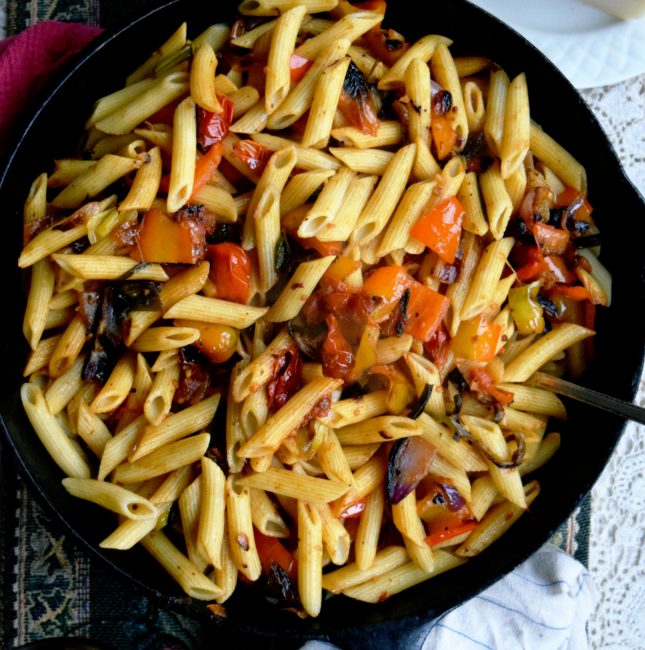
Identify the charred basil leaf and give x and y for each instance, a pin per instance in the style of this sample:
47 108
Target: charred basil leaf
476 154
194 376
80 245
224 232
282 255
355 84
308 338
548 305
279 585
458 380
116 301
590 241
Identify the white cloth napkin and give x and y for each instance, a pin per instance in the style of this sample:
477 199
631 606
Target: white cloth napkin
544 604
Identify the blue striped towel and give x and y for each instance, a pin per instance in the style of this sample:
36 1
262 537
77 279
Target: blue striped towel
544 604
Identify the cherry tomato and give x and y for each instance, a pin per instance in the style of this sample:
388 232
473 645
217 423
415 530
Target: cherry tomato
230 271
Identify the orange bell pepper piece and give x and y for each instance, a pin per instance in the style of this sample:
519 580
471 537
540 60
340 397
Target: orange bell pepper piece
567 197
387 282
576 293
476 340
552 241
440 229
426 311
444 135
163 240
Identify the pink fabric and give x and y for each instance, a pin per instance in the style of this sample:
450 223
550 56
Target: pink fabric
29 60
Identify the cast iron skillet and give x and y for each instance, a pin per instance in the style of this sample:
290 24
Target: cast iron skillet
587 441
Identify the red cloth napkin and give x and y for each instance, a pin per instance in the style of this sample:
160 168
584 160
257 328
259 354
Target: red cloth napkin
27 63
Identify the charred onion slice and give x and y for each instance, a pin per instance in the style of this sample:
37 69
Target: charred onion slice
423 400
409 461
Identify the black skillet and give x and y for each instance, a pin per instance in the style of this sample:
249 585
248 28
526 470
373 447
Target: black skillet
587 441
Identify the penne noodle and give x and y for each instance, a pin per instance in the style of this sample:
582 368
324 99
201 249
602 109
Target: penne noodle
112 497
65 452
283 41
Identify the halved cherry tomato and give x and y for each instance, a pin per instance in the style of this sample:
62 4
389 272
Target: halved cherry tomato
252 154
217 342
286 380
213 127
337 354
230 271
386 45
440 228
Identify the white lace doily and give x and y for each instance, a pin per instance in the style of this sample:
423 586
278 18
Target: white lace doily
616 545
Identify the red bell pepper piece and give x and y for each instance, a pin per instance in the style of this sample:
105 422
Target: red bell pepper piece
446 527
271 549
569 196
552 241
298 66
444 135
576 293
440 229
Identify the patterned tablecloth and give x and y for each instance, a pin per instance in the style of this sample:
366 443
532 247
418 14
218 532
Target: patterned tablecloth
50 588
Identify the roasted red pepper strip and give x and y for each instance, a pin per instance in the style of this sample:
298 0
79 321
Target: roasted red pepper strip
446 527
205 167
230 271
